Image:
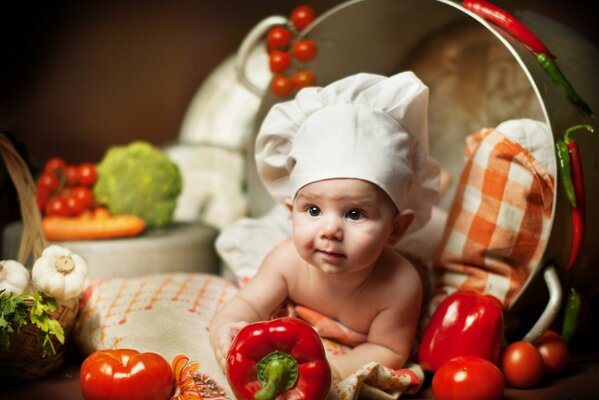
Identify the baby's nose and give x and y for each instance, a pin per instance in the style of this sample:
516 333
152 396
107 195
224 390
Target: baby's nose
332 229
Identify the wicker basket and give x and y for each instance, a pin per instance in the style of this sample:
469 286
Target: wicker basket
24 359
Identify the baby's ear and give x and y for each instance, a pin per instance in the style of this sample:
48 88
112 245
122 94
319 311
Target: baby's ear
289 204
401 222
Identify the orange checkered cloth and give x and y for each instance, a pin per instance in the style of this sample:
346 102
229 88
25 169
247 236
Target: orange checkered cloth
499 222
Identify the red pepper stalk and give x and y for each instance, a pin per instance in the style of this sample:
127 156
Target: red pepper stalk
509 23
577 212
464 324
284 356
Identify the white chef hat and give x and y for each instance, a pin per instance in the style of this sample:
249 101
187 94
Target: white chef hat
365 126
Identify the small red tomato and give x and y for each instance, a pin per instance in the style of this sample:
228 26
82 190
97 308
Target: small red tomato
302 16
41 197
84 195
54 165
74 206
70 173
86 174
282 86
304 50
48 181
125 374
554 352
279 61
57 206
468 378
522 365
278 38
302 79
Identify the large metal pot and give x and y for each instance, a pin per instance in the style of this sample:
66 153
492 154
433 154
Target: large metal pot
478 76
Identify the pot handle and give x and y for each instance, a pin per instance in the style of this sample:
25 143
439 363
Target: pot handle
248 44
552 308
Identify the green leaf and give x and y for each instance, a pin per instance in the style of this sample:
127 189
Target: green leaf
13 315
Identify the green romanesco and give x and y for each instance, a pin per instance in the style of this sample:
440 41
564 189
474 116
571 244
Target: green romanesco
139 179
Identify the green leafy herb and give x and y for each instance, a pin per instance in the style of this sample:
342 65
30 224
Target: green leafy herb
13 315
39 315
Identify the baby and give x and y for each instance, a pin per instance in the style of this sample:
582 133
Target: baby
350 162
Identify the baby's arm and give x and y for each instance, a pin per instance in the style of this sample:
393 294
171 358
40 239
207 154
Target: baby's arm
254 302
392 331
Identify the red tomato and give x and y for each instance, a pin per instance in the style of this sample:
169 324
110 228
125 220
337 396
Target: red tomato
521 364
74 206
554 352
48 181
304 50
302 16
86 174
70 173
468 378
84 195
54 164
125 374
278 38
41 197
57 206
302 79
282 86
279 61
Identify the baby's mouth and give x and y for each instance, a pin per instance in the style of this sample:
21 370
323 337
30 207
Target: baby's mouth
331 254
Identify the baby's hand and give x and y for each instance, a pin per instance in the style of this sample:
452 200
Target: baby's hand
224 336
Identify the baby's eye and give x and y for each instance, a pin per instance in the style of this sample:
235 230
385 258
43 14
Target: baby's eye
355 214
313 211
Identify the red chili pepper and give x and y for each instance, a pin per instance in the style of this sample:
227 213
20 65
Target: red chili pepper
282 355
577 213
508 22
464 324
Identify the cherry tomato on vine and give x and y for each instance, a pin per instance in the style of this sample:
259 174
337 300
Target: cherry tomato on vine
279 61
554 352
302 16
278 38
521 364
282 86
84 195
74 206
41 197
124 374
70 173
304 78
55 164
86 174
57 206
304 50
468 378
48 181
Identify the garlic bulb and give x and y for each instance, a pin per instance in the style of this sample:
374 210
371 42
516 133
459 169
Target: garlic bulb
14 277
59 273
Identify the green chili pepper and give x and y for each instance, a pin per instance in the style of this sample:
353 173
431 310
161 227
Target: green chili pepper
557 76
571 313
565 171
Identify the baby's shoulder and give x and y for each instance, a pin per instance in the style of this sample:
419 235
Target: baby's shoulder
399 272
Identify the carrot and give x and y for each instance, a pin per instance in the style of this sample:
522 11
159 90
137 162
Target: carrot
99 224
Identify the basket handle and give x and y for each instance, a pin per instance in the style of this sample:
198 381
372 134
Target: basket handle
33 241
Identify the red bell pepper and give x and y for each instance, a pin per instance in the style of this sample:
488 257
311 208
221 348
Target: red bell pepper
464 324
280 357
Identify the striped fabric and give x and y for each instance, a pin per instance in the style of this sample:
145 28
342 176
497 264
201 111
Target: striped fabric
499 222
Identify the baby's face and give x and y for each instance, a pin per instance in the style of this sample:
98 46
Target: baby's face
342 225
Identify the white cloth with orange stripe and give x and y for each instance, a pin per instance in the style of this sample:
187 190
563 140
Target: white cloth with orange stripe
499 222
